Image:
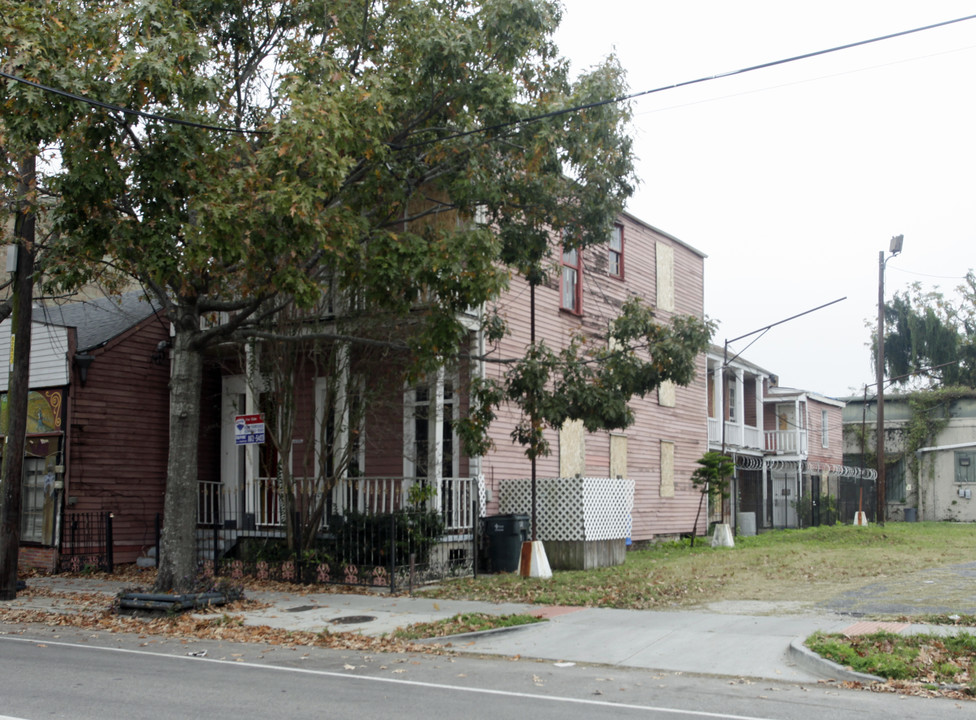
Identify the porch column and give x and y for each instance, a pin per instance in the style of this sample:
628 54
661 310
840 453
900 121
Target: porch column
477 349
435 437
760 416
739 390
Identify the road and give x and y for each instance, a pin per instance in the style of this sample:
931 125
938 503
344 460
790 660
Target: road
67 673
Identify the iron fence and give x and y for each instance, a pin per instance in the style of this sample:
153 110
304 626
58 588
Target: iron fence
86 542
397 550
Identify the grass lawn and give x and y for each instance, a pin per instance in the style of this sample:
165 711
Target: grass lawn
781 566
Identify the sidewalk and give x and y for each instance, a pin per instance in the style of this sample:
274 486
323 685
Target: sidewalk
766 646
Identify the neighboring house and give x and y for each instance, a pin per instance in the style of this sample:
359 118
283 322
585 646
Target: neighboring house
97 426
934 480
786 444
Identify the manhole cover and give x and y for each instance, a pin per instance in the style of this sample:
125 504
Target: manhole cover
352 619
303 608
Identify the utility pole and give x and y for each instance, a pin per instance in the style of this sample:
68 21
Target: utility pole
894 249
12 472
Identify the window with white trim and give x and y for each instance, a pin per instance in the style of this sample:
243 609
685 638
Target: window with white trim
571 281
824 439
615 254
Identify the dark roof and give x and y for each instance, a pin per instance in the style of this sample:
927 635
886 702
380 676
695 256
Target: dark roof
99 320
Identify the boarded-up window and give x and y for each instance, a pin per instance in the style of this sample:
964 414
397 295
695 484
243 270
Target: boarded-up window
667 395
667 469
618 456
572 449
665 277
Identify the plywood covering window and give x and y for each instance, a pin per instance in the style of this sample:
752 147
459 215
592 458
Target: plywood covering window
667 395
667 469
618 456
665 277
571 281
616 252
572 449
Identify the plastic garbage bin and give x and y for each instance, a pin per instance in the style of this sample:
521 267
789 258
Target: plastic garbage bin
504 535
911 514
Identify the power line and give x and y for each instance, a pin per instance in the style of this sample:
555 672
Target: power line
129 111
498 126
685 83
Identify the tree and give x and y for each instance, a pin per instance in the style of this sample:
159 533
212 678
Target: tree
931 338
39 43
246 152
712 479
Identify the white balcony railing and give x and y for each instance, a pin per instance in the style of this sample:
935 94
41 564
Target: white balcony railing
786 442
736 436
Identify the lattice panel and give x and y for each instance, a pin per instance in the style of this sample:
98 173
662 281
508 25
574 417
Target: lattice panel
573 508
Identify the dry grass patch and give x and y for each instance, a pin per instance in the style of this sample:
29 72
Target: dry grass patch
810 565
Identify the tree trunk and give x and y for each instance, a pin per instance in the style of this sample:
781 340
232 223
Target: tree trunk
12 473
178 558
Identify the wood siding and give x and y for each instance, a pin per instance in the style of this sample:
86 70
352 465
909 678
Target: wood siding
49 363
684 424
118 437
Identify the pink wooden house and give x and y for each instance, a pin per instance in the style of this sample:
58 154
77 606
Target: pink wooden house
404 435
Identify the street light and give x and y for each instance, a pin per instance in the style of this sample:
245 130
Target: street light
894 249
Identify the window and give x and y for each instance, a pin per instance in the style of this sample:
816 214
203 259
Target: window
571 281
824 442
730 393
965 466
37 506
616 252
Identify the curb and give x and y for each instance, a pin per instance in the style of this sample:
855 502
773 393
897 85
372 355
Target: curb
476 634
828 669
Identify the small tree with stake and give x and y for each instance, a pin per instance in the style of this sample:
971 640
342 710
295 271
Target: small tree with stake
711 478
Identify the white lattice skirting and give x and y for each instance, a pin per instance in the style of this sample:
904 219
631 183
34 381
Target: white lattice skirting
573 509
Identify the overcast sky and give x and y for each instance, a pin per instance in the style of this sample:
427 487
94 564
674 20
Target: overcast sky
792 179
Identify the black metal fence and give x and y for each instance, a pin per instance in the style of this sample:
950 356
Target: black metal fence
86 542
397 550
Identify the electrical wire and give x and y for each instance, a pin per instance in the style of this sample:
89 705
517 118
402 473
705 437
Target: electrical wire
129 111
685 83
499 126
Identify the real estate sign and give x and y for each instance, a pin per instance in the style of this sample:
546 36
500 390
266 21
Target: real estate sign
249 429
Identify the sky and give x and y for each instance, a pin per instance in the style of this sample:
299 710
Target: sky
793 179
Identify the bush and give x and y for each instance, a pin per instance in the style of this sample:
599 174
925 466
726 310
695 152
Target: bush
826 505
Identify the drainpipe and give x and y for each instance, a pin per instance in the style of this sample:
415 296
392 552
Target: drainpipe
918 458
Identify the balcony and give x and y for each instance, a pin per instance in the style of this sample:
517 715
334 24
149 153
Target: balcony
736 435
786 442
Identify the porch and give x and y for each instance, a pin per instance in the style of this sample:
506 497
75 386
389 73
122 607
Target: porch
255 508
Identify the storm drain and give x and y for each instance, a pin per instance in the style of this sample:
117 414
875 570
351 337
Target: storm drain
352 619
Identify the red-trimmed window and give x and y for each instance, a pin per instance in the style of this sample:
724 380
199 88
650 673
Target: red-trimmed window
571 282
616 252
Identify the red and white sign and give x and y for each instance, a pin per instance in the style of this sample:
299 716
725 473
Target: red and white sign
249 429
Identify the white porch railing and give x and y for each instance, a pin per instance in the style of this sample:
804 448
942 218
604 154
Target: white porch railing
786 442
370 495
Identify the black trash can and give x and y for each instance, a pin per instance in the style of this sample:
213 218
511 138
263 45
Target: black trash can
504 535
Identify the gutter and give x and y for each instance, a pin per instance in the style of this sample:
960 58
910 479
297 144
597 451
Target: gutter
918 458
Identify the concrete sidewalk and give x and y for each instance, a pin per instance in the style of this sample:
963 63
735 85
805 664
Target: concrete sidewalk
728 642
